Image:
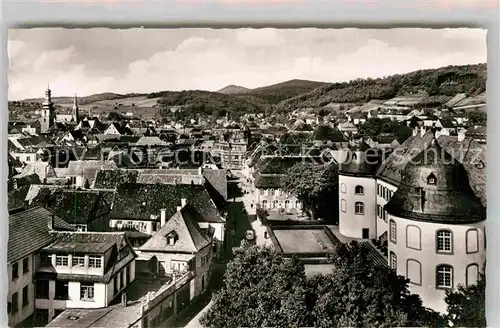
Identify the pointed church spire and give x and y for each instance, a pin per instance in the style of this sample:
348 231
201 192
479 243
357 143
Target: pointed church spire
75 109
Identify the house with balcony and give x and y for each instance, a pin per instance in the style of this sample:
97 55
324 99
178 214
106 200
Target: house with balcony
81 270
29 231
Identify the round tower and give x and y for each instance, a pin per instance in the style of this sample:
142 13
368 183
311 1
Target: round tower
358 193
436 227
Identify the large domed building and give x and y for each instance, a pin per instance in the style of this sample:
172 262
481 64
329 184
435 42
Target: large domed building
436 232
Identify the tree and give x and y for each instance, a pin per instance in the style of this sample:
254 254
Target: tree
315 185
477 118
466 305
115 116
262 289
359 293
262 214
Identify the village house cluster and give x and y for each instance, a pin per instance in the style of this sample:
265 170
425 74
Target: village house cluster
126 219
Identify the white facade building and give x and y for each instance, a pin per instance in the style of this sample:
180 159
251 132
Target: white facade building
436 227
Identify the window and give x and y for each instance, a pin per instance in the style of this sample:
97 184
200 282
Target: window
413 237
394 261
392 231
28 158
472 241
94 261
26 299
444 241
261 192
343 188
61 292
26 265
271 192
343 205
15 302
359 208
86 292
414 271
42 289
472 274
431 179
359 190
61 260
444 276
78 260
46 259
15 271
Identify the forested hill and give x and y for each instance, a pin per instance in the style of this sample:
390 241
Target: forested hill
450 80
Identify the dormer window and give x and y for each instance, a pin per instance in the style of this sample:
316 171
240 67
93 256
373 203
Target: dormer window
172 237
480 165
431 179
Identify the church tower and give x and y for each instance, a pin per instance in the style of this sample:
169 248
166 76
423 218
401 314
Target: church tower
47 112
75 109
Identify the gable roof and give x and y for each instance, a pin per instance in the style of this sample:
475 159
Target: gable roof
74 206
42 169
327 133
217 179
140 201
29 232
190 237
89 168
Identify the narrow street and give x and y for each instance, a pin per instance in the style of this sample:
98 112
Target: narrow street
240 218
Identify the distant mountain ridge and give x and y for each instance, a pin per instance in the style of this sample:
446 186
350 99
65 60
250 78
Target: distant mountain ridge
290 95
449 81
233 89
83 100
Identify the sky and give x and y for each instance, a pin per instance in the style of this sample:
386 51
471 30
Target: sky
88 61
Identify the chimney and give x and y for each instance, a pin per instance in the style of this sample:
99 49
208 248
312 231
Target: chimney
163 217
461 135
124 299
422 131
183 202
51 222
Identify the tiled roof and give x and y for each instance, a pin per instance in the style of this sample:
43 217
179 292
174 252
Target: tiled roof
15 199
89 168
110 179
218 180
150 141
74 206
93 243
449 200
373 254
468 152
86 242
29 232
327 133
190 238
140 201
42 169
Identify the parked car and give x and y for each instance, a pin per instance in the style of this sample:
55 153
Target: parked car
250 235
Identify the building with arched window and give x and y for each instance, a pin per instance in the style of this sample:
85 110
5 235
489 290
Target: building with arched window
357 196
436 226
